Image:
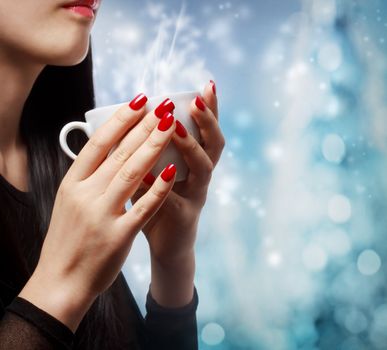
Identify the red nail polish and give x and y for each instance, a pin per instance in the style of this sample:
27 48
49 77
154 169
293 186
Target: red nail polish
180 129
213 86
168 173
166 122
149 179
165 106
138 102
200 104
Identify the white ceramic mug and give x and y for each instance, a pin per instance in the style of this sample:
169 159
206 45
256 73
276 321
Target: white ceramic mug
98 116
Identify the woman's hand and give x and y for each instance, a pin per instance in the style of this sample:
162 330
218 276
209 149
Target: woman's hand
171 232
90 232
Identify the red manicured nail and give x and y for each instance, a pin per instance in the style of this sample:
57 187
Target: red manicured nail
166 122
213 86
180 129
165 106
200 104
168 173
138 102
149 179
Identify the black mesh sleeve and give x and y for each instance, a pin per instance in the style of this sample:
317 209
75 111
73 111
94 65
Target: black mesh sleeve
171 328
25 326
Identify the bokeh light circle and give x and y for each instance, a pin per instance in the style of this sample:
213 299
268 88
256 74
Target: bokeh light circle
339 209
378 334
333 148
355 321
314 257
368 262
337 242
212 333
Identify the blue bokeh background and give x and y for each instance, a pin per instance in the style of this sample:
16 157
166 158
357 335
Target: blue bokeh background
291 250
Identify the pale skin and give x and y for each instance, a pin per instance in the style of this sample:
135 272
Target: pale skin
83 252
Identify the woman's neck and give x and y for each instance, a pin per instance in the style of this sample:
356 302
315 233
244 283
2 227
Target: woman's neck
17 77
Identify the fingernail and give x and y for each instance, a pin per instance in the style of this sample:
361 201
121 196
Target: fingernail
200 104
180 129
138 102
166 122
168 173
165 106
213 87
149 179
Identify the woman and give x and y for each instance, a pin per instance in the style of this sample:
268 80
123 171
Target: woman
64 230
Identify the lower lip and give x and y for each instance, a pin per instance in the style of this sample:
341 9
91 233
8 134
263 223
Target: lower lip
82 10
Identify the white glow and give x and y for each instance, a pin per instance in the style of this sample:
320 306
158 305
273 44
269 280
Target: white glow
225 189
243 119
261 212
274 152
141 271
324 11
129 35
297 70
333 106
274 259
220 29
339 209
330 57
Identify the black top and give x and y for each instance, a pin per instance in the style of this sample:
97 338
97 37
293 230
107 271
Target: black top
24 326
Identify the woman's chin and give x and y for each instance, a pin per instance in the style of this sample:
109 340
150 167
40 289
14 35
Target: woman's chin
70 61
67 56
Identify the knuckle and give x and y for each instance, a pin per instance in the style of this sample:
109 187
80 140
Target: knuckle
202 199
209 168
129 174
158 193
122 115
96 142
155 144
121 155
147 128
178 204
140 211
193 147
222 141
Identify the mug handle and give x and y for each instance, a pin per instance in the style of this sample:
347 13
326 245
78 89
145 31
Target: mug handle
85 127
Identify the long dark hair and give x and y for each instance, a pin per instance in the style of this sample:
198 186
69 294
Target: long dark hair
60 95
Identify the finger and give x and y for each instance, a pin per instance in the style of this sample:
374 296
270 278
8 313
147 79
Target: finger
210 98
212 138
104 138
172 203
146 206
198 161
128 178
130 143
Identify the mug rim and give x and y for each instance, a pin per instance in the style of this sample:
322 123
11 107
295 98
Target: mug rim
177 94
